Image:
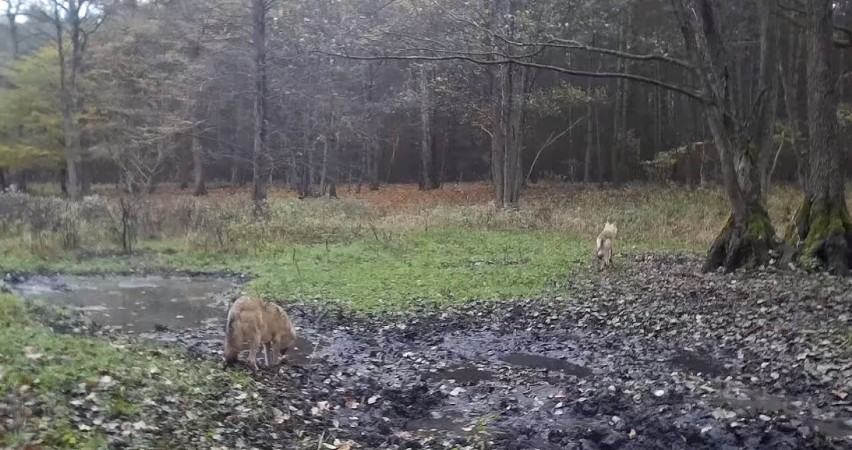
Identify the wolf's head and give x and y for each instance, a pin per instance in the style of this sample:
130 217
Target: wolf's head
611 227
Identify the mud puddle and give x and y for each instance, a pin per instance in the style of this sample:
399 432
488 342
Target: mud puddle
546 363
463 374
698 363
134 303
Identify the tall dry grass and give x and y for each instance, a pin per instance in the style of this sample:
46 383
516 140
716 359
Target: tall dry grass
647 216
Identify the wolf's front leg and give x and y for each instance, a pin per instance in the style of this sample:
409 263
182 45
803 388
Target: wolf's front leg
252 358
276 353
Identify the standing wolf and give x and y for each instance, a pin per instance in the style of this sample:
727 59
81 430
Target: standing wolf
605 242
257 322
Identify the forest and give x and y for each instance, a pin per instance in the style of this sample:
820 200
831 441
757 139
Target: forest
419 184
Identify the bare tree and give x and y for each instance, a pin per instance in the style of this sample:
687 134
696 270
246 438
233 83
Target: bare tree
743 143
12 12
427 111
260 170
74 21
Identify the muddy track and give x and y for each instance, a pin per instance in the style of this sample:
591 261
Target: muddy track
656 356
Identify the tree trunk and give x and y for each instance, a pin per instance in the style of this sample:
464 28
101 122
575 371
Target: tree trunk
63 180
789 68
587 163
22 180
324 167
748 238
334 168
497 134
822 227
311 149
67 23
621 96
183 166
259 166
198 186
427 181
513 165
12 13
599 148
2 180
373 160
73 157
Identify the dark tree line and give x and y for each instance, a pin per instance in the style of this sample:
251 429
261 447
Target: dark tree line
317 93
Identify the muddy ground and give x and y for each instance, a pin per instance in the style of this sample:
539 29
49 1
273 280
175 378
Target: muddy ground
655 356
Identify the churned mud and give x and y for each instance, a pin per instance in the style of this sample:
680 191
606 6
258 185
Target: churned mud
655 356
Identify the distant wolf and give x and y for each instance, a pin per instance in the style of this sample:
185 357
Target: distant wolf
605 242
257 322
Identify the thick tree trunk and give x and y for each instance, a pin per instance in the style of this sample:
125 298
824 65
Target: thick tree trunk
507 104
198 185
427 181
748 238
822 227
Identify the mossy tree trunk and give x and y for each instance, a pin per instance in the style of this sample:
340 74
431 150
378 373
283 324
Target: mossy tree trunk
822 227
743 144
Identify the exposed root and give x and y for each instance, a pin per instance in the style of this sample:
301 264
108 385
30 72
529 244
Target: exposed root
746 246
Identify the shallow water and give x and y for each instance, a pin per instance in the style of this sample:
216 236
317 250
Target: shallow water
547 363
138 303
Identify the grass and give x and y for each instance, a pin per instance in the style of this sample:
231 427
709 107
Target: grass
374 250
66 376
436 266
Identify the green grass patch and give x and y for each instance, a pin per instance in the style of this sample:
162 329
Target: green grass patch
382 272
67 376
436 266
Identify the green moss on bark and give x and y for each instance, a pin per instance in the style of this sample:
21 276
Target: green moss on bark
822 230
760 226
746 245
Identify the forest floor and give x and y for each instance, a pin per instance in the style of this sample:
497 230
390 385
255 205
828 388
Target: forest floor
444 325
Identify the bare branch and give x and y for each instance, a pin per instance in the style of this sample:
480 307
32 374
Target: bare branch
505 59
